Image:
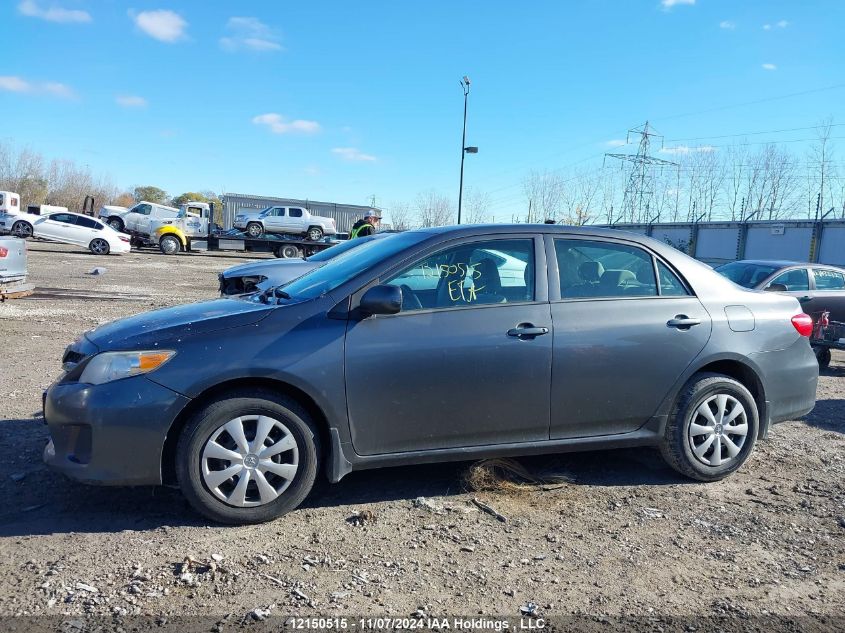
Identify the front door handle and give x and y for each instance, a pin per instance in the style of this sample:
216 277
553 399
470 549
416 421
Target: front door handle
683 322
527 331
804 298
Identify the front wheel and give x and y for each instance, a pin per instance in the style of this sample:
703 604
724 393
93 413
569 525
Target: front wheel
254 229
248 457
315 233
712 429
116 224
99 246
169 245
22 229
823 355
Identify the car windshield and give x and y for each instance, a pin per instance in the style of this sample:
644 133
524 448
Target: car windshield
746 274
340 249
350 264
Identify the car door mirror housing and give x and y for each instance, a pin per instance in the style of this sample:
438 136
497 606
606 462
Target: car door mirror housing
776 288
382 299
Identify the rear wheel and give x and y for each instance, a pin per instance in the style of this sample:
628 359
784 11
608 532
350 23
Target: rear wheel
99 246
248 457
315 233
22 229
169 245
116 224
288 251
712 429
254 229
823 355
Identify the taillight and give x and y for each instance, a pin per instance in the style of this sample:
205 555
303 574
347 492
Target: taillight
122 239
803 323
3 251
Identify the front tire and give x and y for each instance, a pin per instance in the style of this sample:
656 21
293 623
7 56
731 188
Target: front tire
248 457
169 245
824 356
22 229
254 229
712 429
116 224
315 234
99 246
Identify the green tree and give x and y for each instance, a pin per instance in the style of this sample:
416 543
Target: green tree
150 194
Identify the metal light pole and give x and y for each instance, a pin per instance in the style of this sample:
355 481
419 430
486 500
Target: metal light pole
464 149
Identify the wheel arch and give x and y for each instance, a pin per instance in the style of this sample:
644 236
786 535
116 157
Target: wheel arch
171 440
745 374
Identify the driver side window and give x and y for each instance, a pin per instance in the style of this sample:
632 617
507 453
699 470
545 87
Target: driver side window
478 273
143 209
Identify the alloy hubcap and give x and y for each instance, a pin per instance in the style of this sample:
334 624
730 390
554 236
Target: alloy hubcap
718 430
249 461
22 229
100 246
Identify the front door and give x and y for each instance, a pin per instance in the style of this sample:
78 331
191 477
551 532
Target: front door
466 362
61 227
626 327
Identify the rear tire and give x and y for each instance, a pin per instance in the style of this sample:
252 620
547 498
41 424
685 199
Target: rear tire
99 246
254 229
712 429
315 234
823 355
288 252
206 448
116 224
22 229
169 245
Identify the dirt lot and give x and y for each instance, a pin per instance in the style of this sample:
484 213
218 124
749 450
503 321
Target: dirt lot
626 537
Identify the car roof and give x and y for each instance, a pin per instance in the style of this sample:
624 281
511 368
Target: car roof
492 229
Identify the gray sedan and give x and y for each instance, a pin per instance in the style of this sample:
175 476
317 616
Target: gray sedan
259 276
606 340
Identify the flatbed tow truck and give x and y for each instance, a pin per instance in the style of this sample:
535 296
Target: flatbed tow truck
192 232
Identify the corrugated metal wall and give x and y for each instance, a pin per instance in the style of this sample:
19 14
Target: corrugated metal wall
344 215
721 242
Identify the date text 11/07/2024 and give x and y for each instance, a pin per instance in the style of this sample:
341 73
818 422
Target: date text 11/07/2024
415 623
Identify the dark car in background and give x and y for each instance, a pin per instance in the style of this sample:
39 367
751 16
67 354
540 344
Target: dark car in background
816 286
439 344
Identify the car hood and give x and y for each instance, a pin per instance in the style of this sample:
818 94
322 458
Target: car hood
286 267
155 328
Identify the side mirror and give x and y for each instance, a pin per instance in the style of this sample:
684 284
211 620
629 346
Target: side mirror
775 288
381 300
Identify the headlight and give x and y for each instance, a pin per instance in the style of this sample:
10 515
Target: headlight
109 366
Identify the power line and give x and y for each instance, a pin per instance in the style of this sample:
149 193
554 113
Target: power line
794 129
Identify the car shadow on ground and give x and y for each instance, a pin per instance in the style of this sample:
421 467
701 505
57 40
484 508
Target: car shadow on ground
37 501
827 415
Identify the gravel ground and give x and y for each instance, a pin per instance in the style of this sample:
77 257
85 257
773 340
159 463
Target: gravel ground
627 537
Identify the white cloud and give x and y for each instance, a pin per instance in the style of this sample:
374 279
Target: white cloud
53 88
727 24
615 142
251 34
781 24
767 27
353 154
130 101
668 4
54 14
769 67
163 25
278 124
683 150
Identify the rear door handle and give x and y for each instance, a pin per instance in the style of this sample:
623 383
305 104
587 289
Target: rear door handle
683 322
527 331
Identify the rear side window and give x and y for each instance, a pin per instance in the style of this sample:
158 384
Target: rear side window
670 285
13 202
88 223
828 279
794 280
295 213
604 269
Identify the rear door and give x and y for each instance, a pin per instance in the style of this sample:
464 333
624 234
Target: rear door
295 223
828 294
626 326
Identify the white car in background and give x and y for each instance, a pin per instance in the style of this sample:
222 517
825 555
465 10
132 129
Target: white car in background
81 230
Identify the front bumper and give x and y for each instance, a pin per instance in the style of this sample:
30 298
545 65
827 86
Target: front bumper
111 434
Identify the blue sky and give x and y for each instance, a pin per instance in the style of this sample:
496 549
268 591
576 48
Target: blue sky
342 100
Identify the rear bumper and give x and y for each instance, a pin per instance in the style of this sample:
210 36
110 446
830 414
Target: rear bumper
790 377
110 434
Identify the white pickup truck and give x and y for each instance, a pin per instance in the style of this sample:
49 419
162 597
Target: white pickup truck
291 220
145 217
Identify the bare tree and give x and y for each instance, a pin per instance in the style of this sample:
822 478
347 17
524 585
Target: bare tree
578 195
434 209
400 216
821 157
476 207
22 171
543 191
